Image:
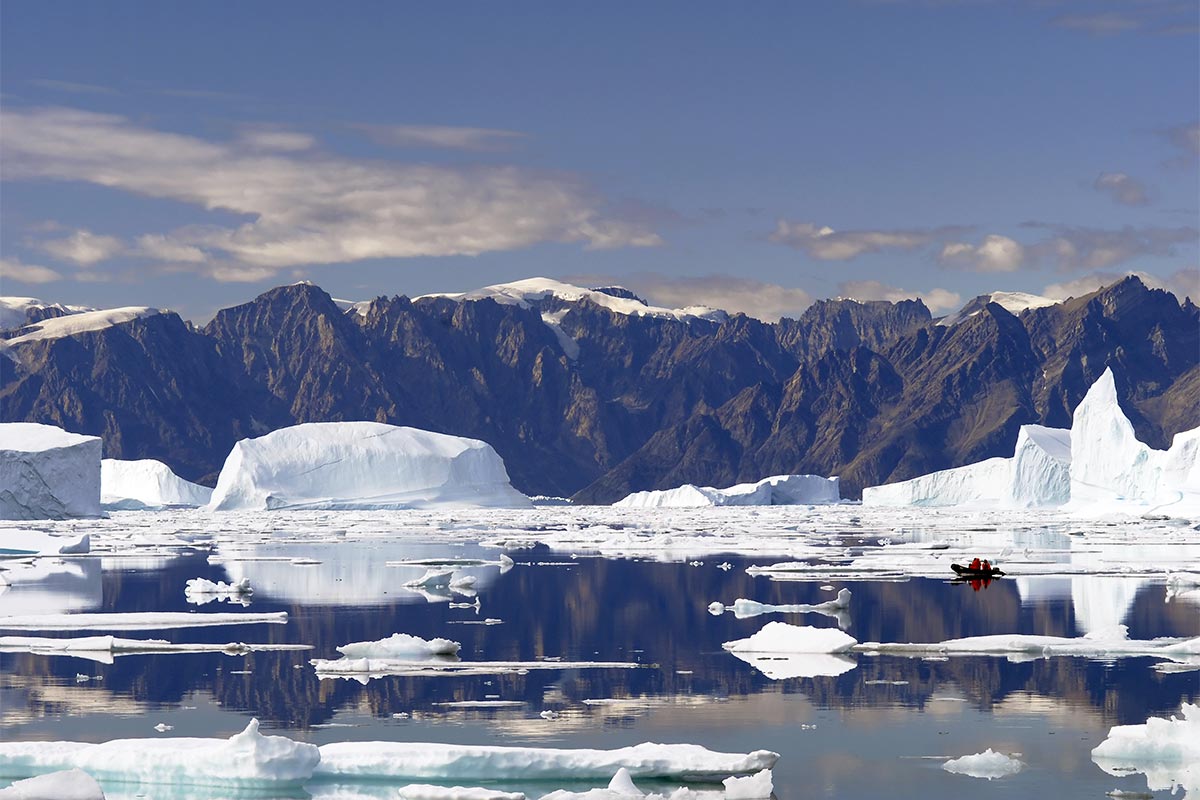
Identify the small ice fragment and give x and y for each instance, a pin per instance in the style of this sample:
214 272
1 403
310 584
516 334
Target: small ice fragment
549 714
163 727
716 609
988 764
623 785
725 565
752 787
81 678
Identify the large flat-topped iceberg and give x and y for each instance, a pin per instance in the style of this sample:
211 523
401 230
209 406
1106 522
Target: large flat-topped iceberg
986 482
778 490
362 465
146 484
47 473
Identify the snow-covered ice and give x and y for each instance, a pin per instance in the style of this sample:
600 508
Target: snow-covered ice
246 760
420 761
146 484
779 637
47 473
400 646
426 791
201 591
135 620
988 764
983 483
104 648
1166 750
758 786
778 490
362 465
70 784
34 542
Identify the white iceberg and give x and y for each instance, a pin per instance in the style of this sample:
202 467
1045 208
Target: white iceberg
1040 473
420 761
47 473
134 620
988 764
42 543
400 646
778 490
362 465
1166 750
146 484
246 760
758 786
983 483
779 637
70 784
202 590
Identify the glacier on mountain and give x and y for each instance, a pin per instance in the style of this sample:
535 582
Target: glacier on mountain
47 473
362 465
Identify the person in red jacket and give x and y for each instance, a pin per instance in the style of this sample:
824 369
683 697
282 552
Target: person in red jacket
975 563
986 566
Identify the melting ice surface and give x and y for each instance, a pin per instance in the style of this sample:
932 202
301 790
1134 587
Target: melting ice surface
599 638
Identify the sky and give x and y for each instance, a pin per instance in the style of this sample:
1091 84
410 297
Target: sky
753 157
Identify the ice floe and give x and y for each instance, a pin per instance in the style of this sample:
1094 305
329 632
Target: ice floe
34 542
778 490
146 484
743 608
135 620
988 764
362 465
104 648
47 473
200 591
49 585
365 669
758 786
1167 751
426 791
70 784
400 646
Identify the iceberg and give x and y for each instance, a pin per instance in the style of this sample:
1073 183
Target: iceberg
245 760
758 786
988 764
400 646
201 591
47 473
1166 750
984 483
362 465
778 490
420 761
146 484
779 637
1041 468
71 784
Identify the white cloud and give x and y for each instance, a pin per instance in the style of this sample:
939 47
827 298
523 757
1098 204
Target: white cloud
1183 283
160 247
1122 188
936 299
995 253
440 136
13 269
1102 248
83 248
307 208
765 301
824 243
269 139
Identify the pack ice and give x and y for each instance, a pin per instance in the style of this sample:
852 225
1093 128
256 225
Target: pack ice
48 473
778 490
1166 750
1097 465
146 484
362 465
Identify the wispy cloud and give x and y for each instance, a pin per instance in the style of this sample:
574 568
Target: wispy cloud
1122 188
937 299
995 253
308 207
13 269
826 244
760 299
440 136
83 248
1101 24
1077 247
72 87
1186 138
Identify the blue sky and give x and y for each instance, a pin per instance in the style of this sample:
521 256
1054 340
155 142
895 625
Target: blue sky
754 156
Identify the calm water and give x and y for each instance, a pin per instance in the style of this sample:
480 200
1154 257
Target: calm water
869 732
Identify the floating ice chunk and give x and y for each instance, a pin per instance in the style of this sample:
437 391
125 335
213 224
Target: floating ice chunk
134 620
1166 750
400 646
70 784
622 784
26 542
985 483
342 465
401 760
751 787
779 637
47 473
988 764
364 669
425 791
433 578
201 590
146 484
103 648
743 608
782 666
1109 643
778 490
247 759
463 584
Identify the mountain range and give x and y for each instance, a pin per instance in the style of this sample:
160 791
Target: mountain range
593 393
